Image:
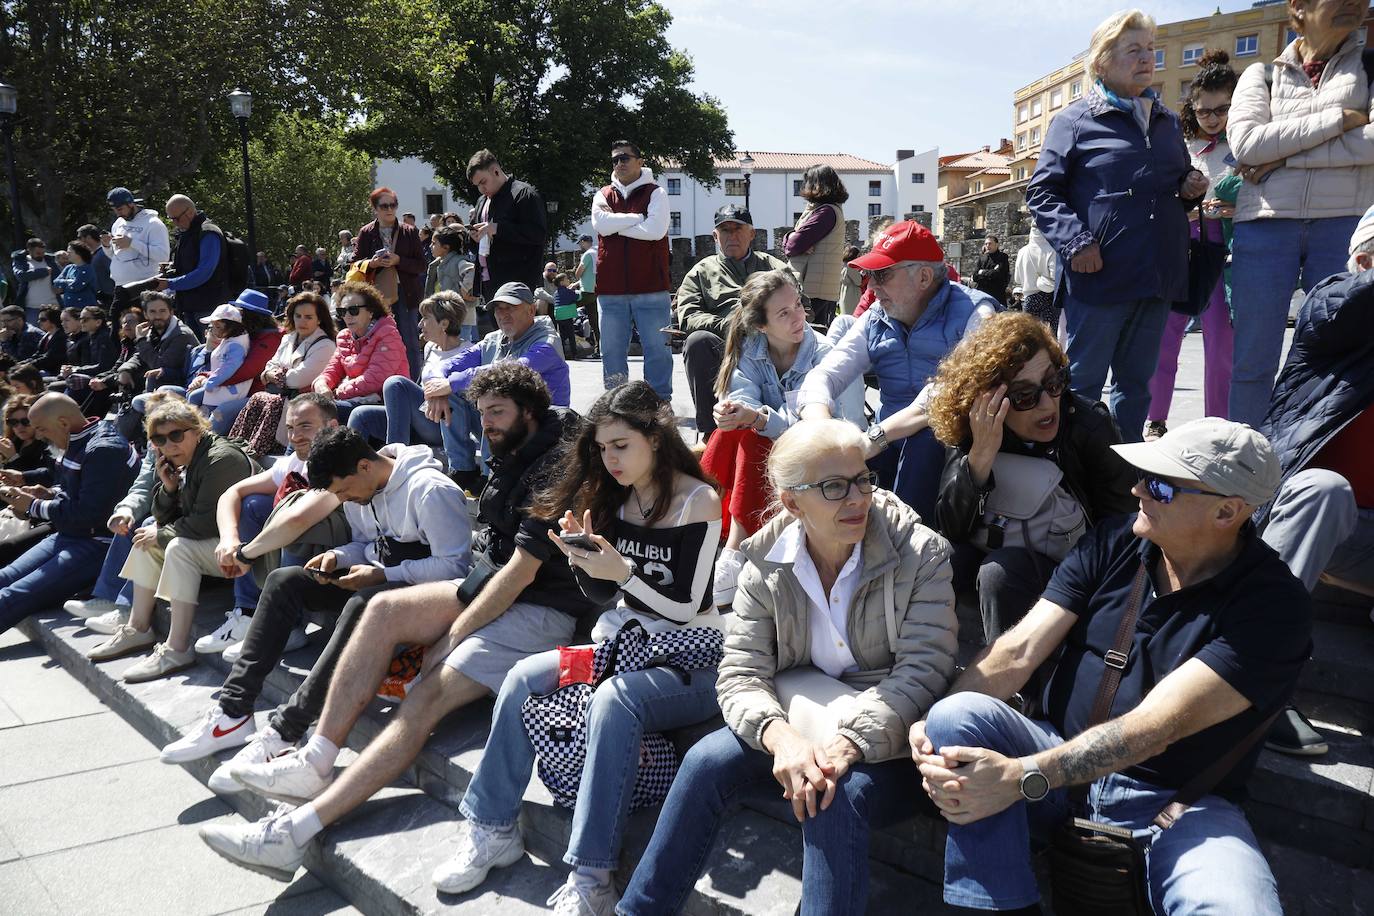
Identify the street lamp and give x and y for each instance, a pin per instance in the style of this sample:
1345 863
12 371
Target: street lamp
241 104
552 207
746 165
9 104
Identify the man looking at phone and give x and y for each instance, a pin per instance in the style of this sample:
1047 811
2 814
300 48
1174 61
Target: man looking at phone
510 228
76 497
137 247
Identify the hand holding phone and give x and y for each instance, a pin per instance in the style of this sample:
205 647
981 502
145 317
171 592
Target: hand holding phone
578 539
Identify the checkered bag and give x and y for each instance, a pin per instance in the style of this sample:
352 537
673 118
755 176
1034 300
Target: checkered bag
557 722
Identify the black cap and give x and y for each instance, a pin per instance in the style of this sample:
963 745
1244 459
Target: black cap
584 238
733 213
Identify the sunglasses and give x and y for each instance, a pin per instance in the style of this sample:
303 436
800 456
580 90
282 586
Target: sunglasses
354 310
623 157
19 421
387 206
1026 396
837 488
1219 112
176 435
1162 491
884 275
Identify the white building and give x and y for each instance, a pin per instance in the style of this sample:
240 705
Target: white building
875 189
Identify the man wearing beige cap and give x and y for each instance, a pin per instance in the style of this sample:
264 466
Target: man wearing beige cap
1180 634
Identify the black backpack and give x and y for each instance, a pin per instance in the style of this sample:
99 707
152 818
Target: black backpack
239 276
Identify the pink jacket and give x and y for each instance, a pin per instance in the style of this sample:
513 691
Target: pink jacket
360 367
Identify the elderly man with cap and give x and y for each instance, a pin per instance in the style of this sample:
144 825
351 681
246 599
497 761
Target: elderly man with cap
520 336
1320 422
707 298
1179 636
917 318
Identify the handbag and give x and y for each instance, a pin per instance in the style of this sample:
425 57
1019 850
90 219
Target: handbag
1098 869
557 722
476 579
1028 508
1206 261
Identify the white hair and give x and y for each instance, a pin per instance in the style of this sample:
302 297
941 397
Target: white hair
1106 35
801 453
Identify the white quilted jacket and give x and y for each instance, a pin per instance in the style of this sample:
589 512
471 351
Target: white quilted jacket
1327 172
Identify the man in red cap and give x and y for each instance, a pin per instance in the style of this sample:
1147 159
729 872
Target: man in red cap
919 316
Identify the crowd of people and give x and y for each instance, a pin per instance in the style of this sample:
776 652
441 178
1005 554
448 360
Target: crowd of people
1144 590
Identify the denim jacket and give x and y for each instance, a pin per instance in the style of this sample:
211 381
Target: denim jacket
756 382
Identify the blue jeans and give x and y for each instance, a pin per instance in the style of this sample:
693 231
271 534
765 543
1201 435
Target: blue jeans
649 312
1123 337
253 512
834 842
463 435
222 417
911 468
109 585
1209 861
470 333
401 415
346 407
407 317
1270 258
622 710
54 569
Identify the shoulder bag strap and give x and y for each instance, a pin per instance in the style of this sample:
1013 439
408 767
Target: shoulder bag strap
1207 780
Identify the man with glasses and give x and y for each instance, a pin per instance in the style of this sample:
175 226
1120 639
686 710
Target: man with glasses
137 247
917 318
18 338
510 226
200 262
1204 630
707 298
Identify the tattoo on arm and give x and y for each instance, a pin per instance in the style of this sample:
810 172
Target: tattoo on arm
1093 754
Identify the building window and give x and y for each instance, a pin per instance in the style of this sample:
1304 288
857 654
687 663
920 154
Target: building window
674 187
1056 98
1035 136
1289 37
796 217
1075 90
734 187
918 208
918 177
796 187
1022 114
674 222
1247 45
1192 54
1159 58
875 189
1021 140
1020 172
1037 108
875 210
434 203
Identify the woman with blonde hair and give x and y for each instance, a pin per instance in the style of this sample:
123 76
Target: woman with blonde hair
1001 405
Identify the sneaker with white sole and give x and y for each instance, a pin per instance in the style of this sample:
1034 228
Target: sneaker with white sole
296 640
263 846
578 899
264 746
234 628
108 622
88 607
124 641
727 576
479 851
164 661
288 778
213 733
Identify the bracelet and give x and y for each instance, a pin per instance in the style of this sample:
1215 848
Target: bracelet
629 576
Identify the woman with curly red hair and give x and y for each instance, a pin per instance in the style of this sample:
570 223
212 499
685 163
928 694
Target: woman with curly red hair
395 258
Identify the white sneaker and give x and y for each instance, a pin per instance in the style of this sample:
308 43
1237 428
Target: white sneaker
479 851
214 732
577 899
124 641
264 746
263 846
164 661
234 628
727 576
110 621
295 641
89 607
288 778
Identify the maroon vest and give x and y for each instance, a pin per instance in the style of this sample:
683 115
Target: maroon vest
626 266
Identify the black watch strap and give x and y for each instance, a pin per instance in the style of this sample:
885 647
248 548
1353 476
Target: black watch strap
238 555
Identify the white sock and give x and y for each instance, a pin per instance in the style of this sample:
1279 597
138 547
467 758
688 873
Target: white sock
304 824
590 878
320 753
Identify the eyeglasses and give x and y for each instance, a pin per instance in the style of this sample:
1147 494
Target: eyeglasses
354 310
176 435
837 488
1162 491
1026 396
19 421
623 157
178 218
391 206
1219 112
884 276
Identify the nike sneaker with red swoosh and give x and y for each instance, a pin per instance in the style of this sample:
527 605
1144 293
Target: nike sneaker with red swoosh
213 732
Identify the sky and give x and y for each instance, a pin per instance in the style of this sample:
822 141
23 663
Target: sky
870 78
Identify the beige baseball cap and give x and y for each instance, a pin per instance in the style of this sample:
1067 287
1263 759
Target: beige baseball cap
1229 458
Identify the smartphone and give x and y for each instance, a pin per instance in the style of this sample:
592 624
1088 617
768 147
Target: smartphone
337 573
578 540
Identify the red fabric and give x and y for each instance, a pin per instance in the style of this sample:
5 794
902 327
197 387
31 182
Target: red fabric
360 368
575 665
904 241
1348 455
300 270
626 266
1314 69
738 459
261 347
290 484
864 302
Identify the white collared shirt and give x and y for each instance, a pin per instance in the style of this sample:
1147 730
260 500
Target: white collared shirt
828 615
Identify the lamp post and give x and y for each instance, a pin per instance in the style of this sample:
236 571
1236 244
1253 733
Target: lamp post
552 207
241 104
746 165
9 104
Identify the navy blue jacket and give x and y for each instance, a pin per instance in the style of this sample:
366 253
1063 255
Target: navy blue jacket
22 274
1101 179
1328 378
94 474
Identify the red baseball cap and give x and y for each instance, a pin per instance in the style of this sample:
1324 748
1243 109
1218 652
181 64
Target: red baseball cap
904 241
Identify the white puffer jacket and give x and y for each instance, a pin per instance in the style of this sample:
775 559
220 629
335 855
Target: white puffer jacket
1327 172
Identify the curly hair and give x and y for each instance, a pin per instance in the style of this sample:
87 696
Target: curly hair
1214 75
372 297
510 379
992 355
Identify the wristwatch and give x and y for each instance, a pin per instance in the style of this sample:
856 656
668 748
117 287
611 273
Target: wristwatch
238 555
1034 785
877 436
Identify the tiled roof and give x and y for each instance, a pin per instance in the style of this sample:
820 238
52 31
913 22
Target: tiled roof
800 162
980 160
991 170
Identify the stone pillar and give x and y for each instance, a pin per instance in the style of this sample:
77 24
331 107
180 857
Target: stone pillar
924 217
997 219
851 233
704 246
779 236
760 239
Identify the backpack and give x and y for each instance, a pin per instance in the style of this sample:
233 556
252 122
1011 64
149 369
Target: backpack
239 275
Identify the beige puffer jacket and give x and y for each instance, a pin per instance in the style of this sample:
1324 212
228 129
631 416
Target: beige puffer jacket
770 632
1328 171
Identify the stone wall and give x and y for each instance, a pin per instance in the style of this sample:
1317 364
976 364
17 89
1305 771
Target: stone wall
963 241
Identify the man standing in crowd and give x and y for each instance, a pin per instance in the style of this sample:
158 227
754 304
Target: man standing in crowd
265 274
917 318
1187 622
320 269
34 270
510 228
18 338
90 236
300 268
200 263
97 467
585 274
137 248
630 219
993 270
706 300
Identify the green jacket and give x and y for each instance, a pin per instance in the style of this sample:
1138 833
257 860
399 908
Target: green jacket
189 511
710 291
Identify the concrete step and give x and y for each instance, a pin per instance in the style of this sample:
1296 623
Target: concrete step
1341 657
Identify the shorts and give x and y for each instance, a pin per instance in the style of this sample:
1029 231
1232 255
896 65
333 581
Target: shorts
523 630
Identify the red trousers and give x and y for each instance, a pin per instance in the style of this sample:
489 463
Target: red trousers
738 460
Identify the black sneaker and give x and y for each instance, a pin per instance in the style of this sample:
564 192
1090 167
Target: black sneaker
1291 733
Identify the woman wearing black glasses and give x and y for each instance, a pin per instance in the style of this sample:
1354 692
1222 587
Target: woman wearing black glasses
20 449
844 635
388 244
1029 465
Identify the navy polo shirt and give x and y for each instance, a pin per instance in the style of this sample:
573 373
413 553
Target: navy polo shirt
1251 623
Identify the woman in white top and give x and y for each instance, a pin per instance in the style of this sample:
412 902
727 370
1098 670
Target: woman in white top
631 476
